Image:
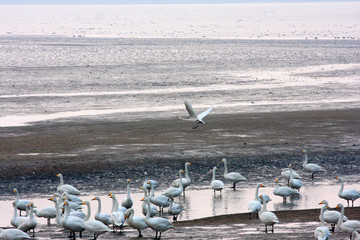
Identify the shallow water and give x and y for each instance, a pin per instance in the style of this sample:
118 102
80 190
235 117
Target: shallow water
201 202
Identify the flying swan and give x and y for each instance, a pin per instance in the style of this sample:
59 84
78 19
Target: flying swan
193 116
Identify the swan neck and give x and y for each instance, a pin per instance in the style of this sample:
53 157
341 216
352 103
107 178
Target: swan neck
61 180
17 197
213 175
15 212
225 168
257 193
291 175
31 213
88 212
322 215
67 212
128 189
115 204
181 183
341 186
99 207
341 219
58 214
264 206
305 159
149 210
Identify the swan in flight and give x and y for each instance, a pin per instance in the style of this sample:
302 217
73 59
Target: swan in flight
94 226
127 201
268 218
20 204
158 224
331 216
349 226
66 187
348 194
102 217
283 191
232 176
135 222
193 116
185 181
217 185
255 205
322 232
311 167
12 234
294 183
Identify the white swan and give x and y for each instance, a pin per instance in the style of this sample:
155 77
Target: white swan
283 191
193 116
127 201
147 185
94 226
135 222
20 204
331 216
311 167
17 220
185 181
153 209
58 213
117 217
174 209
47 212
322 232
30 222
349 194
103 217
13 234
255 205
294 183
232 176
158 224
266 217
349 226
71 223
160 200
285 172
66 187
72 198
217 185
72 205
175 191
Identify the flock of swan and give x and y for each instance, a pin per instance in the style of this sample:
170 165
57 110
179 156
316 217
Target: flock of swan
68 214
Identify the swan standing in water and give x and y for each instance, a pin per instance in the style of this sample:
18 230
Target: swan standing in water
117 217
175 191
66 187
266 217
217 185
255 205
349 226
311 167
13 234
185 181
127 201
322 232
160 200
94 226
103 217
294 183
174 209
349 194
47 212
158 224
153 209
283 191
232 176
193 116
20 204
286 174
331 216
146 185
72 224
135 222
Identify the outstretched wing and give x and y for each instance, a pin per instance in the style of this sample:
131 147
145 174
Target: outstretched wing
190 109
202 115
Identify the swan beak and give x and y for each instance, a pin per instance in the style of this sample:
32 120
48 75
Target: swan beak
83 203
190 163
276 180
51 199
143 199
140 187
327 207
262 185
321 202
128 180
14 190
125 216
337 178
57 174
260 196
148 182
337 206
223 159
290 165
93 199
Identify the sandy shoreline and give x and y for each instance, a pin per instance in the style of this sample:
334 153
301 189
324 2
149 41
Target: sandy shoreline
80 149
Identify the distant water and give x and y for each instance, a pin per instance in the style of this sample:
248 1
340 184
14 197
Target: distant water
61 78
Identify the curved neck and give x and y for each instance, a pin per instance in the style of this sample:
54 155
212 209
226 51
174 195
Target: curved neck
187 171
88 211
152 191
99 207
341 219
305 159
131 216
264 206
341 185
213 175
17 197
257 193
145 192
225 168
